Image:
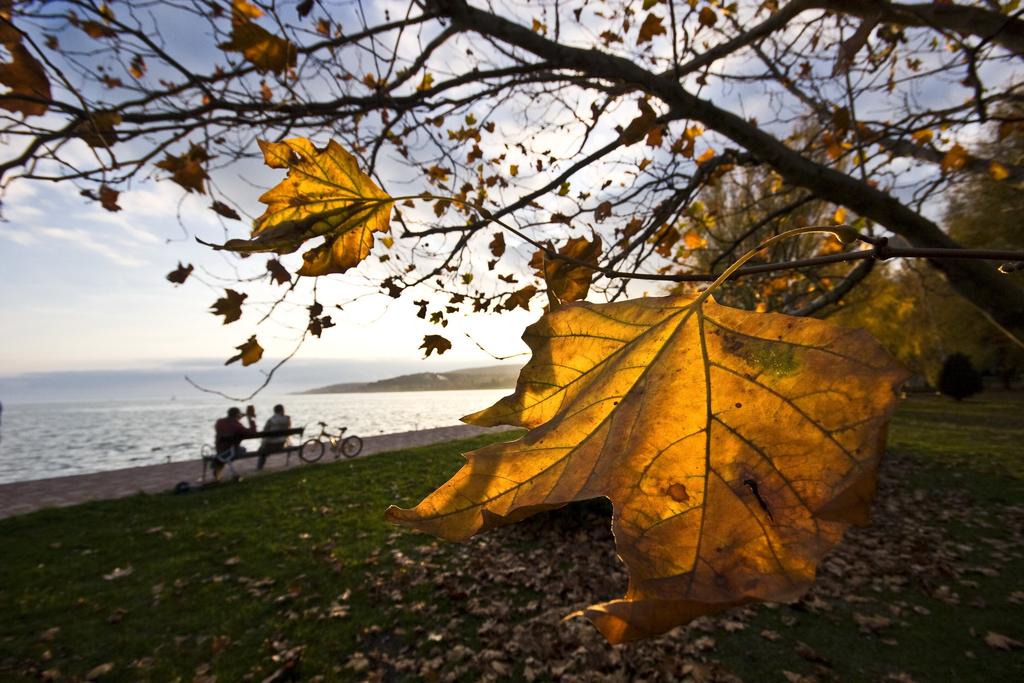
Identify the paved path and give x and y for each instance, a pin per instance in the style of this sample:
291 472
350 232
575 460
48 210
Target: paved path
28 496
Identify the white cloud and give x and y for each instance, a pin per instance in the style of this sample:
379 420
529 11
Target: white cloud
87 240
18 236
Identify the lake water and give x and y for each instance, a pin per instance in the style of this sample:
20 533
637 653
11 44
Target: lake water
41 440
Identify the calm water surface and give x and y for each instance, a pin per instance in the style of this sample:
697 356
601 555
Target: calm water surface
40 440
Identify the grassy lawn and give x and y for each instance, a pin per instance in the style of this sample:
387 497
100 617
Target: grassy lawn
295 576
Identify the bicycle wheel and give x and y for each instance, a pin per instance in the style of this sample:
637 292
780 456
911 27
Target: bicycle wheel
351 446
312 450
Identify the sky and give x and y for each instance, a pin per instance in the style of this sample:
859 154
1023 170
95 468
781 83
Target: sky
84 289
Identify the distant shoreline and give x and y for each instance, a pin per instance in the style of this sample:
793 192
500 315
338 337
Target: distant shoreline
386 390
487 378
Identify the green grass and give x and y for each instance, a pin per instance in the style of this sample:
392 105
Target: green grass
227 581
259 562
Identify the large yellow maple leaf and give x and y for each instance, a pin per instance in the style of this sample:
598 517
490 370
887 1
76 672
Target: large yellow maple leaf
324 195
735 448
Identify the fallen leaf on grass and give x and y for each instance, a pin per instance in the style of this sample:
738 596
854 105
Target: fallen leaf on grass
870 623
1000 642
99 671
49 634
119 573
357 662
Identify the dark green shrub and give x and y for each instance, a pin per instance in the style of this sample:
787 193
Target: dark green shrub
958 378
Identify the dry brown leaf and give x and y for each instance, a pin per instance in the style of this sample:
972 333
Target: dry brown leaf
520 298
735 447
497 245
435 342
29 86
108 198
324 195
180 274
278 273
651 27
261 48
224 210
99 671
229 305
567 280
98 130
998 641
187 169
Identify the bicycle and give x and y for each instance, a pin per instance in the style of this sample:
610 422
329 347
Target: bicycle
313 449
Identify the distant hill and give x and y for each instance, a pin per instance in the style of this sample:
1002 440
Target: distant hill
491 377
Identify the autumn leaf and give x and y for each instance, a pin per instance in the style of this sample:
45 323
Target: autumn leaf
29 87
108 198
640 126
520 298
187 169
229 305
707 17
651 27
98 129
224 210
955 159
137 68
324 195
693 240
435 342
922 136
250 352
497 245
998 641
180 274
997 171
278 273
261 48
735 448
568 280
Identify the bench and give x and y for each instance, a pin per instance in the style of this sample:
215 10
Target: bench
229 456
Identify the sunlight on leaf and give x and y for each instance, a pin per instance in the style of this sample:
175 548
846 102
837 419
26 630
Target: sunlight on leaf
261 48
735 447
567 280
250 352
324 195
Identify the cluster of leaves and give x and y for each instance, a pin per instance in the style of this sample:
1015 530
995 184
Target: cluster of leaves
636 167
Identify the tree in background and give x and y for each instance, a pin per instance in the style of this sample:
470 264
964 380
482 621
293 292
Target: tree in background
958 378
565 120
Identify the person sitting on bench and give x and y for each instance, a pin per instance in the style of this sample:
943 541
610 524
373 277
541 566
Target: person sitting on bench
229 432
271 444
